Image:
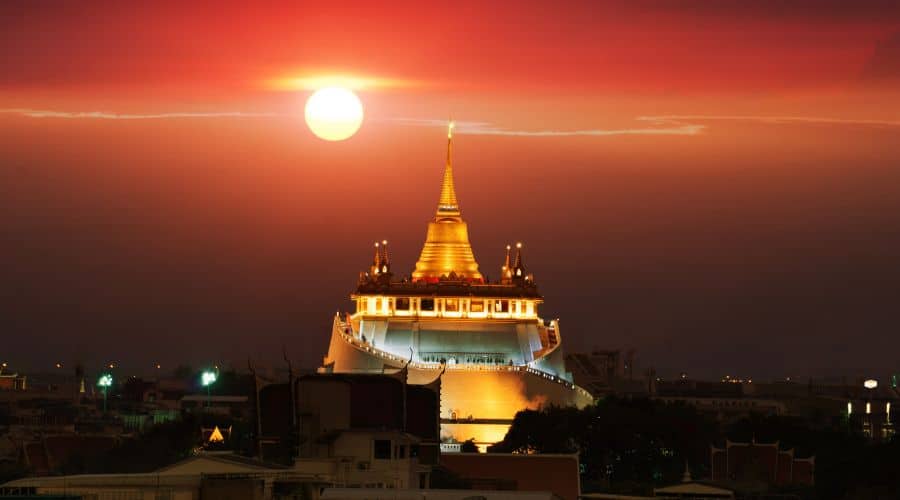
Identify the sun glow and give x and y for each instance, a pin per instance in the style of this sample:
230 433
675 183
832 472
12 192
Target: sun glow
334 113
353 82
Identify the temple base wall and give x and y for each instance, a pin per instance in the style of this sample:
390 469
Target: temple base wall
481 402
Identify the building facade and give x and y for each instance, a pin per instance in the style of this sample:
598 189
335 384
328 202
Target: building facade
762 462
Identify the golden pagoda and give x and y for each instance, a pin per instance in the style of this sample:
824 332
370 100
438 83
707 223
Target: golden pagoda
447 252
486 342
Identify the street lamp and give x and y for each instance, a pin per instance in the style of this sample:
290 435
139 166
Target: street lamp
104 382
208 378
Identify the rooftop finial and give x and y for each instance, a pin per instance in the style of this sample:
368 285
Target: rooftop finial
519 266
506 270
448 205
376 261
385 261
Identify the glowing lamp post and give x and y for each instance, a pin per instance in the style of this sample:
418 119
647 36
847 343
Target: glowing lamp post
104 382
208 378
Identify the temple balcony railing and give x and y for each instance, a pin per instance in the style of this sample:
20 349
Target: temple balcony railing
348 336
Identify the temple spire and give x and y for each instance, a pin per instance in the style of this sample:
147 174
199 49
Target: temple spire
385 261
506 270
447 253
519 266
376 261
448 204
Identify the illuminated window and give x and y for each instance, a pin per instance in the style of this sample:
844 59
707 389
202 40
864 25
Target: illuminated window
477 306
377 304
427 305
403 304
501 306
451 305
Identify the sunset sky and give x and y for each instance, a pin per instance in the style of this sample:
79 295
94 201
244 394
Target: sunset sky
715 184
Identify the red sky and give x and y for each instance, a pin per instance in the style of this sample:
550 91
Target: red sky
749 245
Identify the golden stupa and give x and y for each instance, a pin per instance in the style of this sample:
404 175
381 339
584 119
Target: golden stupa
447 252
484 344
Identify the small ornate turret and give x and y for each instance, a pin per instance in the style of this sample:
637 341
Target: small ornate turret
375 269
506 270
385 261
519 267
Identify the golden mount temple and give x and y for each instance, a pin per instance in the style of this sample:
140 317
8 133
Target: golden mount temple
493 353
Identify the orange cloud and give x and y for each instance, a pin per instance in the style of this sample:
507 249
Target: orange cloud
677 119
666 127
107 115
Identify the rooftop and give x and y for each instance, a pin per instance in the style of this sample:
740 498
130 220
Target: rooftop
448 288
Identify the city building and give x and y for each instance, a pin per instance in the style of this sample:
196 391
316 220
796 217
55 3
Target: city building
222 477
368 494
764 463
47 454
496 353
219 405
726 400
863 404
609 372
353 430
13 382
556 473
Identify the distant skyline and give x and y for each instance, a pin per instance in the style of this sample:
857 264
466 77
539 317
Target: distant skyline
713 184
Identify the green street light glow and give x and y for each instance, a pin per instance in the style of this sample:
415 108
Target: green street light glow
105 382
207 379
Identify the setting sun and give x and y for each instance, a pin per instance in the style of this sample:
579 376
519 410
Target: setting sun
334 113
